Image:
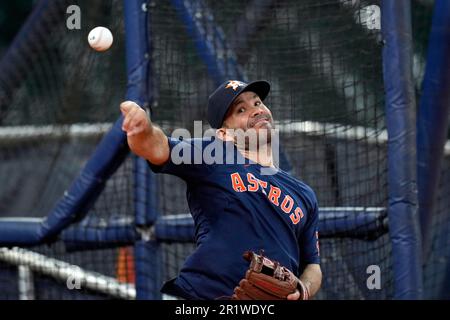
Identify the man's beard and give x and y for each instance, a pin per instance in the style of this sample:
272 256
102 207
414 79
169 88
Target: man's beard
253 121
253 139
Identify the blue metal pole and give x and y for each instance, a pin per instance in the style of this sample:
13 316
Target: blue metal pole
148 261
432 122
139 90
401 125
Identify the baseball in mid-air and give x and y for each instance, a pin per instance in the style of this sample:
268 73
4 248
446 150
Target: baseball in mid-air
100 38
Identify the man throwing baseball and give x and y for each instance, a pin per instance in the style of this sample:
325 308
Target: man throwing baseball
240 203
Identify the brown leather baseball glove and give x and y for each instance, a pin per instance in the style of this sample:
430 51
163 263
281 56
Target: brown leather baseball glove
267 280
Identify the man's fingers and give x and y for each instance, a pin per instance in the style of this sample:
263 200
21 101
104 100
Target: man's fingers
127 106
127 120
134 132
135 122
136 127
294 296
133 117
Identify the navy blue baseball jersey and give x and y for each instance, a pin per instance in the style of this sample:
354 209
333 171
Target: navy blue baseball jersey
236 208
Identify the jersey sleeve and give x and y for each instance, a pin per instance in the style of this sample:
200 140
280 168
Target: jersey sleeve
185 159
309 237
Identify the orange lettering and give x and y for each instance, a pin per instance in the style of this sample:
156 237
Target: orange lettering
317 243
297 215
238 184
274 195
287 204
253 187
262 183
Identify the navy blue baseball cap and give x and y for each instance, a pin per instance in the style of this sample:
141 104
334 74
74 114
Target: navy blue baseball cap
222 98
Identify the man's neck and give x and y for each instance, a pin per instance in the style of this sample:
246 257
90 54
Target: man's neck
262 155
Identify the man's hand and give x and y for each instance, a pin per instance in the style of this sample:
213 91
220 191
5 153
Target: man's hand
144 139
311 279
135 119
267 279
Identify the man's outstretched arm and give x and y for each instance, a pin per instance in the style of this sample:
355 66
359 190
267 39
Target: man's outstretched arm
144 138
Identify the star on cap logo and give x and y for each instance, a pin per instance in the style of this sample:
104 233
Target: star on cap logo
234 84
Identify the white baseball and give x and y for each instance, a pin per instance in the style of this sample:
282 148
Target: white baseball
100 38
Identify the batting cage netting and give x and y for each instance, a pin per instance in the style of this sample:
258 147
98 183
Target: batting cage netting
59 98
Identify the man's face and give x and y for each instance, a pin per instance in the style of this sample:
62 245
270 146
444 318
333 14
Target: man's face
248 116
248 112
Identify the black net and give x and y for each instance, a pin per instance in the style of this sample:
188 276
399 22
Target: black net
58 97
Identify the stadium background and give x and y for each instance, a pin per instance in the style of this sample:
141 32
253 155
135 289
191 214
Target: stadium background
59 98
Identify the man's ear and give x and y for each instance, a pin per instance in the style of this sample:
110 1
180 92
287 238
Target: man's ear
222 134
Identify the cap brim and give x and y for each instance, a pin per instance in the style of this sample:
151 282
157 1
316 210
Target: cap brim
260 87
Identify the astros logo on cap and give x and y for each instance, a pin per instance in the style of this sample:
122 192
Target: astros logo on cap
234 84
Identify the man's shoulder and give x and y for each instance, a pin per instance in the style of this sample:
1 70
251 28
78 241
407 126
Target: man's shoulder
304 188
